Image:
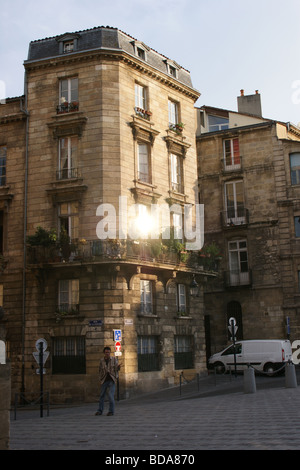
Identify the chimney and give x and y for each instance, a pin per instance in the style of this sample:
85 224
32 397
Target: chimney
249 104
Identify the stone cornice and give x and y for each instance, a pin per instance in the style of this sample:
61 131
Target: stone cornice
118 55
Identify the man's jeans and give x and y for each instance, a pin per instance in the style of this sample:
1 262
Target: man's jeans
108 386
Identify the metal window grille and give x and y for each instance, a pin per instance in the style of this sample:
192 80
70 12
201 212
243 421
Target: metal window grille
69 355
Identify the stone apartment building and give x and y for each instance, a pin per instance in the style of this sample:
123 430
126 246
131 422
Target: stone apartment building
98 130
249 184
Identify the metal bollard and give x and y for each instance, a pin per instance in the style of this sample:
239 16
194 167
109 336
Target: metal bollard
249 381
290 376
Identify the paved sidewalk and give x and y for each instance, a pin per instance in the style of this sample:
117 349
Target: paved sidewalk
217 416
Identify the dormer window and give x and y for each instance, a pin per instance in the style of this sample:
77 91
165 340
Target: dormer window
172 71
141 53
68 42
172 68
68 47
140 49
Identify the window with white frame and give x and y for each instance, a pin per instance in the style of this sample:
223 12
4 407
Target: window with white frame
238 262
68 94
68 46
173 113
234 197
232 157
67 157
177 226
217 123
146 297
69 218
68 295
3 151
176 173
295 168
140 96
181 298
144 172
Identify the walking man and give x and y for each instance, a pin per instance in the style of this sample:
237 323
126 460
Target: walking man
108 374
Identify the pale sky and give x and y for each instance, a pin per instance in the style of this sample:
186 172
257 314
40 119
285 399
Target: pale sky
227 45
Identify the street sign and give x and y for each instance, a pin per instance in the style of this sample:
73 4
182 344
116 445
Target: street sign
118 353
118 346
117 335
95 323
36 356
234 329
43 341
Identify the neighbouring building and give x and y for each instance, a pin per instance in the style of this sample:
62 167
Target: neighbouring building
100 126
249 183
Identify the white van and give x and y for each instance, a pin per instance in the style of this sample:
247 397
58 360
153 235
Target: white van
264 355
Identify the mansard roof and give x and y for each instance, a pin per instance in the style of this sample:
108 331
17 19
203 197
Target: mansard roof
104 38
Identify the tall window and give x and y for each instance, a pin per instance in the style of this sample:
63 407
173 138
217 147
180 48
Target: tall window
173 113
295 168
69 219
1 231
176 173
68 94
183 352
68 295
177 226
238 262
3 151
68 355
146 296
234 196
148 357
144 163
232 153
67 157
140 96
297 226
181 298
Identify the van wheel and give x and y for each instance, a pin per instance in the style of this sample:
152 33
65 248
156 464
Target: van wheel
269 368
219 368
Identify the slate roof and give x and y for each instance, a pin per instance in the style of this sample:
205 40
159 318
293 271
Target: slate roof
103 37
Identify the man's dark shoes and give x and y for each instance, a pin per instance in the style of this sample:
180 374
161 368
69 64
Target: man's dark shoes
110 414
98 413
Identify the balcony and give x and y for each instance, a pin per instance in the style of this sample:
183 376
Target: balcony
232 165
67 107
235 217
237 278
67 173
143 113
130 251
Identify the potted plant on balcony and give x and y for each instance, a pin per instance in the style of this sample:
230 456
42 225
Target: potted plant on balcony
42 244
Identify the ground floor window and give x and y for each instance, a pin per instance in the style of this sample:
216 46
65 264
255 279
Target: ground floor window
183 352
146 297
148 356
68 355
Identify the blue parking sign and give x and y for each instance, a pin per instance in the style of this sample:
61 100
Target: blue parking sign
117 335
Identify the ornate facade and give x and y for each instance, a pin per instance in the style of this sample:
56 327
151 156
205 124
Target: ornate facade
98 130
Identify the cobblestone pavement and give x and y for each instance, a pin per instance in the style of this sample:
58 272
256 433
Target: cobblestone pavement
214 417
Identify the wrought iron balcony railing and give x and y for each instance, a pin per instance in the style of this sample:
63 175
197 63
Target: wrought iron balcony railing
103 250
67 107
235 217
